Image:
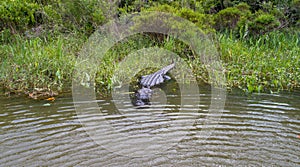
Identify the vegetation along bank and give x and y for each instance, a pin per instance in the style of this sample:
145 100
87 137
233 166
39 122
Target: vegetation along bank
40 40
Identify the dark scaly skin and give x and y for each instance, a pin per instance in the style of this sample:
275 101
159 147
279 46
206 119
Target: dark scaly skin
156 78
143 95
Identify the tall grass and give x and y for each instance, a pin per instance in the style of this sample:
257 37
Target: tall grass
104 77
135 46
38 63
267 63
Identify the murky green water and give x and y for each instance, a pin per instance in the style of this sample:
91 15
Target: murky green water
260 129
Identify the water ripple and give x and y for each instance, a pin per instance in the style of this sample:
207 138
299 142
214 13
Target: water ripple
256 130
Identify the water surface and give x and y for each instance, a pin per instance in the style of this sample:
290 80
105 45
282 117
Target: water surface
258 129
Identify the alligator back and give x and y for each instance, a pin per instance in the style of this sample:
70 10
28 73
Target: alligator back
156 78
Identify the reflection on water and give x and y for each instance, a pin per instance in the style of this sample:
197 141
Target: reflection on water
258 129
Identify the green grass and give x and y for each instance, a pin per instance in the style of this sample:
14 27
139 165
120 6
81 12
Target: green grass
145 51
38 63
267 63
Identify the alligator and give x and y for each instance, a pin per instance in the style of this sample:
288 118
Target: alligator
143 95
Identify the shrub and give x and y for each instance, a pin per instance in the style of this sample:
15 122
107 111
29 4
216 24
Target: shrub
294 12
243 7
242 22
263 23
81 15
203 21
17 15
20 15
234 18
27 17
227 18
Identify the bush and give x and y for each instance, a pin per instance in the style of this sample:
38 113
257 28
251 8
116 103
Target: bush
81 15
203 21
17 15
21 15
263 23
233 18
227 18
243 22
243 7
294 12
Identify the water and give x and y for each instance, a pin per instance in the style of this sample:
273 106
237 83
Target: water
258 129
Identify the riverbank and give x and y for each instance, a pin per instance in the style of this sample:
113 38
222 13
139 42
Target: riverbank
38 63
40 41
265 64
269 63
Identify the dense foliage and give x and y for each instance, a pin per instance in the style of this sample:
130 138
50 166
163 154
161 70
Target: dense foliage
258 40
